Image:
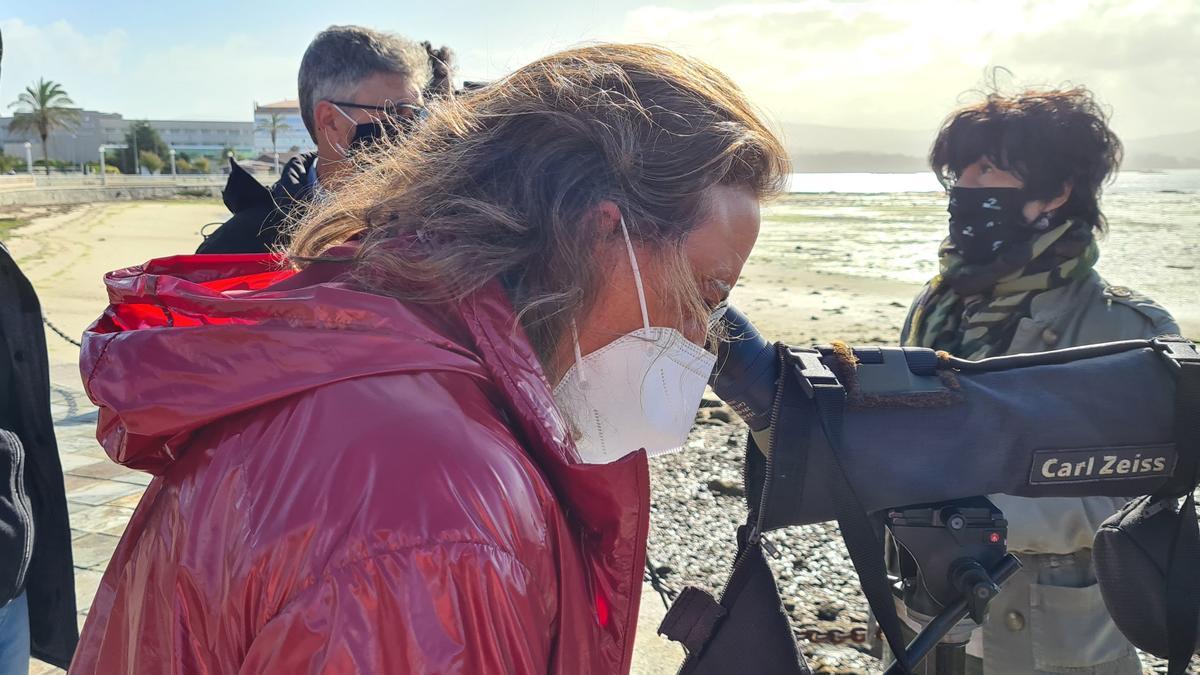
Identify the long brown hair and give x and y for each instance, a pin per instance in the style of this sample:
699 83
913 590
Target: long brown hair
502 183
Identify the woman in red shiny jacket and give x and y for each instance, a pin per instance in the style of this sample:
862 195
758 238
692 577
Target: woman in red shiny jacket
425 450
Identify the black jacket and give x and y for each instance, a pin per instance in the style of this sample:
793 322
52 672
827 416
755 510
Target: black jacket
258 212
35 535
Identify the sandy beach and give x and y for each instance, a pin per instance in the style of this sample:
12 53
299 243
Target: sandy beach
65 252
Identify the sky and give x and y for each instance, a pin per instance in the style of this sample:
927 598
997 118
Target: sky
888 64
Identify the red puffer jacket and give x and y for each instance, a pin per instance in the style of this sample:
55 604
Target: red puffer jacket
347 484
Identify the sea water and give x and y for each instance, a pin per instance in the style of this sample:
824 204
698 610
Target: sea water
890 226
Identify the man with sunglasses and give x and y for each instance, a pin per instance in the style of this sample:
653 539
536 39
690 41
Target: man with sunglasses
356 85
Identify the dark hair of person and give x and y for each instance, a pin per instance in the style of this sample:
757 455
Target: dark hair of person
1049 139
441 63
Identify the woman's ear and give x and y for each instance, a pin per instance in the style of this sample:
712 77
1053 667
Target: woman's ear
1035 209
1057 202
608 217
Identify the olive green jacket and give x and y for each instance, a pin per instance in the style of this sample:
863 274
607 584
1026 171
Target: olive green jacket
1050 617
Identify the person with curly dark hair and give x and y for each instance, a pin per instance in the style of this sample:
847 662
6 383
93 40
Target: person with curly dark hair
441 66
1024 175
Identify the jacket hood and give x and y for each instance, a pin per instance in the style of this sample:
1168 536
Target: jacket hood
191 339
187 341
243 191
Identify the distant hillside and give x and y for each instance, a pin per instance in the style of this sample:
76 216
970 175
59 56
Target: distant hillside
1172 151
829 149
1171 145
815 139
855 162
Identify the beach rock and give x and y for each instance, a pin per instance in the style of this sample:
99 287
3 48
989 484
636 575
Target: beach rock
726 487
897 304
828 612
722 414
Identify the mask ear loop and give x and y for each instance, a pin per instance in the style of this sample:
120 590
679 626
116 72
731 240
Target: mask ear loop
637 276
342 150
578 353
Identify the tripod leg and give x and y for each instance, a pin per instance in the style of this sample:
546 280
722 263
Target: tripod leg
950 659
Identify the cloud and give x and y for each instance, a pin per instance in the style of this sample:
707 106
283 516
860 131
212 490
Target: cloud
216 81
112 72
882 63
864 63
56 52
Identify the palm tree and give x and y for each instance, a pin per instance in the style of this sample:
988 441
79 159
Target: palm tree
273 126
45 109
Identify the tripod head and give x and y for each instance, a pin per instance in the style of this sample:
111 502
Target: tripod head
948 561
944 551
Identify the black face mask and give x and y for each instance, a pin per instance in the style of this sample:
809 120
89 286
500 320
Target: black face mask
985 220
391 121
369 133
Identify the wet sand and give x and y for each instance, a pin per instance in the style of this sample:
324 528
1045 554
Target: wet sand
801 306
66 254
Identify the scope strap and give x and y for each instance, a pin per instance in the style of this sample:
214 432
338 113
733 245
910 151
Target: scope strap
1183 583
863 541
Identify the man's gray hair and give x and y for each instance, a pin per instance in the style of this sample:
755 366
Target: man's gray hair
341 57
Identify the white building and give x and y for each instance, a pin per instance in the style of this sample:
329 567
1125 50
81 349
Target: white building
81 143
292 139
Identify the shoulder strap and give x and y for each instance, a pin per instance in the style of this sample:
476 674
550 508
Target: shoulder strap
1183 584
863 541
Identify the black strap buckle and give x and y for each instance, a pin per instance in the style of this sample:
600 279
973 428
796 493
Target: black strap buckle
1177 350
813 372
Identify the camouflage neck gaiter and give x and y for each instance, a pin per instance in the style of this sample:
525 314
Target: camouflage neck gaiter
973 310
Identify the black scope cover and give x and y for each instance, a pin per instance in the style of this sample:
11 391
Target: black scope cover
1096 420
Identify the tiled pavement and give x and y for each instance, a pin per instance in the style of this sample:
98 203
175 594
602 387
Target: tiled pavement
100 497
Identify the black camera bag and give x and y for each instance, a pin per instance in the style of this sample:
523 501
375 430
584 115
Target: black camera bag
1147 555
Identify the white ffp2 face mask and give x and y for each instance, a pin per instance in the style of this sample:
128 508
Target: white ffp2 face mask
640 391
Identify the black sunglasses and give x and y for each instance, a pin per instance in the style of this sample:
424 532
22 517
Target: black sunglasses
405 111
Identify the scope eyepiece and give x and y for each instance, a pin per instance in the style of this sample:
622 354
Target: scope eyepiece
746 372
